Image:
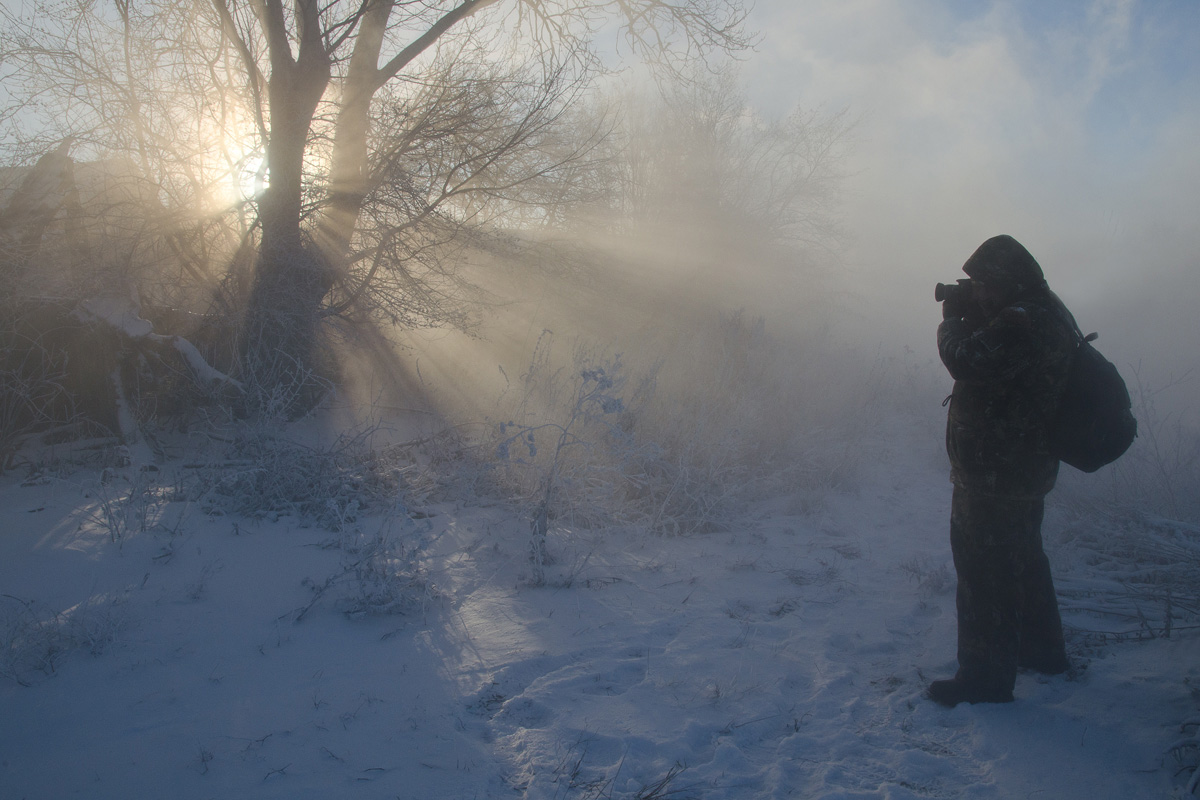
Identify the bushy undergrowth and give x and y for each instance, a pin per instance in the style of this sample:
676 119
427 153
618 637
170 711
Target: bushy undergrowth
1160 474
264 474
357 490
125 507
1127 549
1135 528
34 396
1133 577
381 570
34 639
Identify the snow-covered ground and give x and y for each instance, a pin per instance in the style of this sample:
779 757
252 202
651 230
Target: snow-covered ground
216 656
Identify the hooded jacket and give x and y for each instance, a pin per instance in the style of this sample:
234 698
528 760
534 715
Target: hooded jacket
1009 373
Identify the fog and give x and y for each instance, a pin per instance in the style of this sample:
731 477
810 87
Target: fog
1069 129
633 471
1069 126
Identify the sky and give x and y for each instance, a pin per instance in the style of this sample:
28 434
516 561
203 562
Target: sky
1070 125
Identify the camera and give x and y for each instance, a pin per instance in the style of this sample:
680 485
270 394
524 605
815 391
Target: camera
957 293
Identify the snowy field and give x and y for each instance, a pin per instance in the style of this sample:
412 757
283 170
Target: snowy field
163 651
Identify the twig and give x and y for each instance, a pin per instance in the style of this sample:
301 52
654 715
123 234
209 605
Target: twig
279 771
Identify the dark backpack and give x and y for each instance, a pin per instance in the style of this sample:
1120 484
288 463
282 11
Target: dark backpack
1094 424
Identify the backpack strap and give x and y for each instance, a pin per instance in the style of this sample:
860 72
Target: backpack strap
1080 338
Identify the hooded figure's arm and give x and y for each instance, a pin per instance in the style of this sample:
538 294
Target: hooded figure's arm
999 351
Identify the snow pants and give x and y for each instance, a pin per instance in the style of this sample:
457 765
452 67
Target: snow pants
1007 610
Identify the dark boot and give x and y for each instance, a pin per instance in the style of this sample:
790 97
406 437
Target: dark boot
1045 663
950 693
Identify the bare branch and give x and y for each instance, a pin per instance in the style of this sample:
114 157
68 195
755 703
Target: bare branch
423 42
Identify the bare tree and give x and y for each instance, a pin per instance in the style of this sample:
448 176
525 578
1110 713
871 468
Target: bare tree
456 58
119 87
383 126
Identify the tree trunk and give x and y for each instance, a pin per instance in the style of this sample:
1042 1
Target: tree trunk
349 179
281 337
348 163
295 275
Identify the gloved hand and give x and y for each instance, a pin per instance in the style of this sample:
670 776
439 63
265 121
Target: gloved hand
959 305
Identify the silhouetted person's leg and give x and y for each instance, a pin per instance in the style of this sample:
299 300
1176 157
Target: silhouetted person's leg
989 595
1041 635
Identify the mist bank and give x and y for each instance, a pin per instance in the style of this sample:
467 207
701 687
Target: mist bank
779 357
1068 126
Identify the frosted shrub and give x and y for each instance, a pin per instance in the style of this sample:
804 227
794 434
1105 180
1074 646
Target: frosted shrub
381 573
384 573
1160 473
566 466
268 476
127 506
34 639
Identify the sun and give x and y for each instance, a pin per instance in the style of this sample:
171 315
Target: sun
250 176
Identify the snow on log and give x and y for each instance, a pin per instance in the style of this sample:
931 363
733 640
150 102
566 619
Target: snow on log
123 314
